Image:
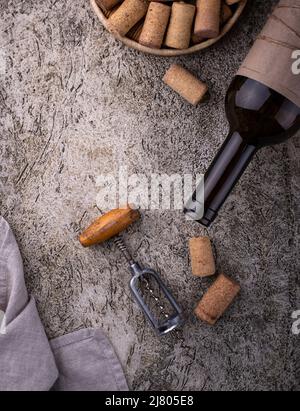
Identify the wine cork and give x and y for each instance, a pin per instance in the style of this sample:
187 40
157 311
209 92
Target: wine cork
202 258
107 5
155 25
127 15
217 299
180 26
185 84
226 13
207 22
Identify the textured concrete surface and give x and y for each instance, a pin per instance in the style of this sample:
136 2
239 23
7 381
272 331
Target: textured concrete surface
75 104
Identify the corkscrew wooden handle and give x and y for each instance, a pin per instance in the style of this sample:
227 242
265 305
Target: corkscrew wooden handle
109 225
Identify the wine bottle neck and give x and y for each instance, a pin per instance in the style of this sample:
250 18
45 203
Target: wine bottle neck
223 174
227 168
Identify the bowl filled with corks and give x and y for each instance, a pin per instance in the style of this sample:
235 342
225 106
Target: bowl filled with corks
166 27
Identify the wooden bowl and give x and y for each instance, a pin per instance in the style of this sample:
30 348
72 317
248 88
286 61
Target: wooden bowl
165 52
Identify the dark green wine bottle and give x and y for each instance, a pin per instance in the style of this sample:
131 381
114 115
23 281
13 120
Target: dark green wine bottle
262 107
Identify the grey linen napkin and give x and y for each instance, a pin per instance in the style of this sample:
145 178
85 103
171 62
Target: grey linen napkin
81 361
87 362
26 359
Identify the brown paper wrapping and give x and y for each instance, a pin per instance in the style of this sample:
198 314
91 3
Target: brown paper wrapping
270 59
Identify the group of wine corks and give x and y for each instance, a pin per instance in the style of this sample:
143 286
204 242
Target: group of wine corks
173 24
222 292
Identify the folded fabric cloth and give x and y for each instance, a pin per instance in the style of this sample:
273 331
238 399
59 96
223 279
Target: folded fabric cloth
26 360
84 360
87 362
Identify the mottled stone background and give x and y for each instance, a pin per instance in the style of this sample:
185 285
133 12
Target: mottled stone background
74 104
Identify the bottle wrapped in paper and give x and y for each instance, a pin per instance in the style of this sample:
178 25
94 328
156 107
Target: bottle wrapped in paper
280 37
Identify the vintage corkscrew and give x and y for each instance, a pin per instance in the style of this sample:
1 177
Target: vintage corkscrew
148 289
